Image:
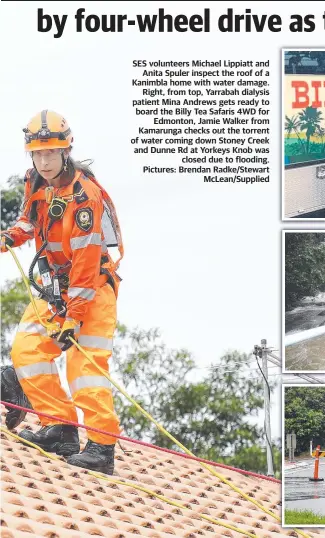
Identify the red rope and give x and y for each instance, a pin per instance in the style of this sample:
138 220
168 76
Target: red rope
143 443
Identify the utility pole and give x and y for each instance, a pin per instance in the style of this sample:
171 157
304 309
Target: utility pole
265 353
267 403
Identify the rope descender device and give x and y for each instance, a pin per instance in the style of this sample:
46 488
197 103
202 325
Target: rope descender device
51 286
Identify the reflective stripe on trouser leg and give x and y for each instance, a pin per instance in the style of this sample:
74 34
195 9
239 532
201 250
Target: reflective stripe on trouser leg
33 354
91 391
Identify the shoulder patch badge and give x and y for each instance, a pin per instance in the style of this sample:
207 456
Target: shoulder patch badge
79 193
85 219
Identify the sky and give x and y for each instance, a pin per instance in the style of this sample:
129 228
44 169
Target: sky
202 261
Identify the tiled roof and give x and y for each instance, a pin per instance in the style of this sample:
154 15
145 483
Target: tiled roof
46 498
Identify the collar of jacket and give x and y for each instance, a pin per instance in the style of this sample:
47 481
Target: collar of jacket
44 192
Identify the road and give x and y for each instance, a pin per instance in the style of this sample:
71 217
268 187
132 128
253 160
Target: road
302 494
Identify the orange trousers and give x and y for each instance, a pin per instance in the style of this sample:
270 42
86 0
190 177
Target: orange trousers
33 354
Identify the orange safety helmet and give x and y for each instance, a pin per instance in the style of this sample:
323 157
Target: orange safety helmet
47 130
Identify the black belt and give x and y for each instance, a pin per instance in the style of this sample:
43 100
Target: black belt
110 279
64 279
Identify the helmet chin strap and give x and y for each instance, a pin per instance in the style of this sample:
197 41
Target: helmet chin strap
63 168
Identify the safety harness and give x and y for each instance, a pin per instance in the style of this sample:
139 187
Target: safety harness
55 283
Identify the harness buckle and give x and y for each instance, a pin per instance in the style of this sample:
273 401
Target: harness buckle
49 191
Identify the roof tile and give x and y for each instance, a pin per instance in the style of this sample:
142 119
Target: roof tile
46 498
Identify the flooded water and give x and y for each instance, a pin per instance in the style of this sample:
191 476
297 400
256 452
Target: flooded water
309 355
300 493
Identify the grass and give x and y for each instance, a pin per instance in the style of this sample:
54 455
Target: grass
302 517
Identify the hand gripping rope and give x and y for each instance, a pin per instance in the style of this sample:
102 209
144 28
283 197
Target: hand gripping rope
148 416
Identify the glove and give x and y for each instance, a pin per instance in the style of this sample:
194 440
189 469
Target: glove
6 240
68 329
53 330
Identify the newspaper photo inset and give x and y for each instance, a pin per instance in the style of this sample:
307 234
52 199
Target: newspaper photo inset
304 133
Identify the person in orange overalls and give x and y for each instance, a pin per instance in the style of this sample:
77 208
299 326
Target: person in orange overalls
66 208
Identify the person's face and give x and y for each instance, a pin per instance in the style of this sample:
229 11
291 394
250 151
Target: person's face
48 162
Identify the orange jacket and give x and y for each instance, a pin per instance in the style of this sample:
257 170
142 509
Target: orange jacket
76 243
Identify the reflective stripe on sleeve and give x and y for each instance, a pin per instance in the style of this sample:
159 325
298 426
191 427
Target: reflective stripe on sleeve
89 381
26 226
54 246
85 293
40 368
35 328
85 240
99 342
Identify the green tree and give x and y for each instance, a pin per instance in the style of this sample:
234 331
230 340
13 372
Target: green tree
254 457
209 416
320 133
309 120
304 266
305 415
11 200
14 299
291 125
